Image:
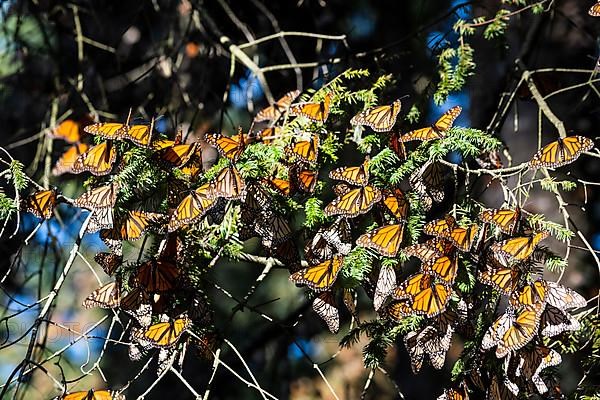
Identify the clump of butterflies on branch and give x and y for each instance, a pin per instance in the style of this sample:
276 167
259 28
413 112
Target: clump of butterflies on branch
479 272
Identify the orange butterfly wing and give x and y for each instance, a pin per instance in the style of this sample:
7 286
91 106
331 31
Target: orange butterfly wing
98 160
317 112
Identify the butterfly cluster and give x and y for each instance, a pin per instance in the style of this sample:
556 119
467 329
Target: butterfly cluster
478 253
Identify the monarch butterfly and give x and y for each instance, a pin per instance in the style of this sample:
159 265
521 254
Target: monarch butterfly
193 206
563 297
513 330
499 390
328 241
287 253
177 155
380 119
395 202
532 362
428 182
428 297
350 300
555 321
41 203
163 334
415 349
100 197
135 352
517 249
446 228
193 167
454 393
98 160
429 341
109 261
257 202
306 150
304 180
594 10
398 309
168 357
138 134
274 111
463 238
68 130
355 202
283 186
489 160
429 250
229 184
267 135
134 299
561 152
445 267
157 276
206 345
503 279
386 282
199 310
324 305
106 296
317 112
435 131
440 227
93 395
397 146
132 226
229 147
101 218
358 176
386 240
320 277
273 229
506 219
66 161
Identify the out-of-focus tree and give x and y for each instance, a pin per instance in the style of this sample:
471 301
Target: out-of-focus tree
201 225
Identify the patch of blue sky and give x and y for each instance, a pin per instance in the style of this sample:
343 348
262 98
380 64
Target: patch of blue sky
596 241
463 12
295 353
248 85
20 301
62 236
78 351
17 328
362 22
434 38
161 124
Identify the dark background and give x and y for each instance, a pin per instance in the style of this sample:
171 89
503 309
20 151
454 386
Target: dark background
166 58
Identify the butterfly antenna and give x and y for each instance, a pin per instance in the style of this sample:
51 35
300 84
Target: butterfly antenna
128 117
